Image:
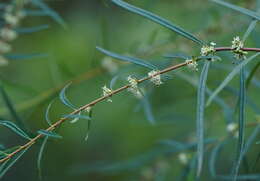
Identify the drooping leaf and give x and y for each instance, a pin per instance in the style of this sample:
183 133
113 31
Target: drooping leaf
113 81
48 120
178 55
50 12
200 115
79 116
157 19
64 98
8 164
214 157
230 77
31 29
244 11
136 61
11 108
14 128
49 134
241 123
148 109
39 159
25 56
251 75
29 12
249 30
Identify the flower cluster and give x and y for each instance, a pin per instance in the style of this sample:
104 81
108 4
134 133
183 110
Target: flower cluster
134 87
109 65
106 92
207 50
183 158
232 129
155 77
237 46
192 64
12 17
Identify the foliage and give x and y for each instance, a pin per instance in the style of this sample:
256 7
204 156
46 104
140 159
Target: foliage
169 147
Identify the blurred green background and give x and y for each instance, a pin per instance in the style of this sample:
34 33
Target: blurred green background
120 130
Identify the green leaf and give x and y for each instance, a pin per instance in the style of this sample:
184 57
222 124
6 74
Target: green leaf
113 82
230 77
200 115
214 157
78 116
244 11
39 159
25 56
148 109
11 108
14 128
49 134
31 29
50 12
249 30
64 98
158 20
47 113
241 122
251 75
8 164
136 61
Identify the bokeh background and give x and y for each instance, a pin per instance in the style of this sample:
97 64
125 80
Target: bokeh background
121 130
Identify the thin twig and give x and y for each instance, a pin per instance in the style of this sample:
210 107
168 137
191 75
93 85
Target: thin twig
93 103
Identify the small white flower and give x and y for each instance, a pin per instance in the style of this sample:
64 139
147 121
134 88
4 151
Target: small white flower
231 127
237 45
88 109
10 19
134 87
106 92
4 47
109 65
3 61
192 64
183 158
206 50
155 77
8 34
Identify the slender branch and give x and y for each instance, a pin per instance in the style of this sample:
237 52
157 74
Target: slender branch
93 103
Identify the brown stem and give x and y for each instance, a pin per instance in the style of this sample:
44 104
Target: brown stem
93 103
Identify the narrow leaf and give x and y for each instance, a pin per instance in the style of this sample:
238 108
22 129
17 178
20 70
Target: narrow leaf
47 118
11 108
241 122
26 56
148 110
64 98
78 116
49 134
31 29
136 61
158 20
8 164
230 77
249 30
251 74
200 115
39 159
50 12
15 129
244 11
113 82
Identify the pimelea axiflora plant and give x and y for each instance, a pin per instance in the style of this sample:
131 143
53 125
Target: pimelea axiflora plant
208 55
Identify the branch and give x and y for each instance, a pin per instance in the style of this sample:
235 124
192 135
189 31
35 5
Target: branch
93 103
